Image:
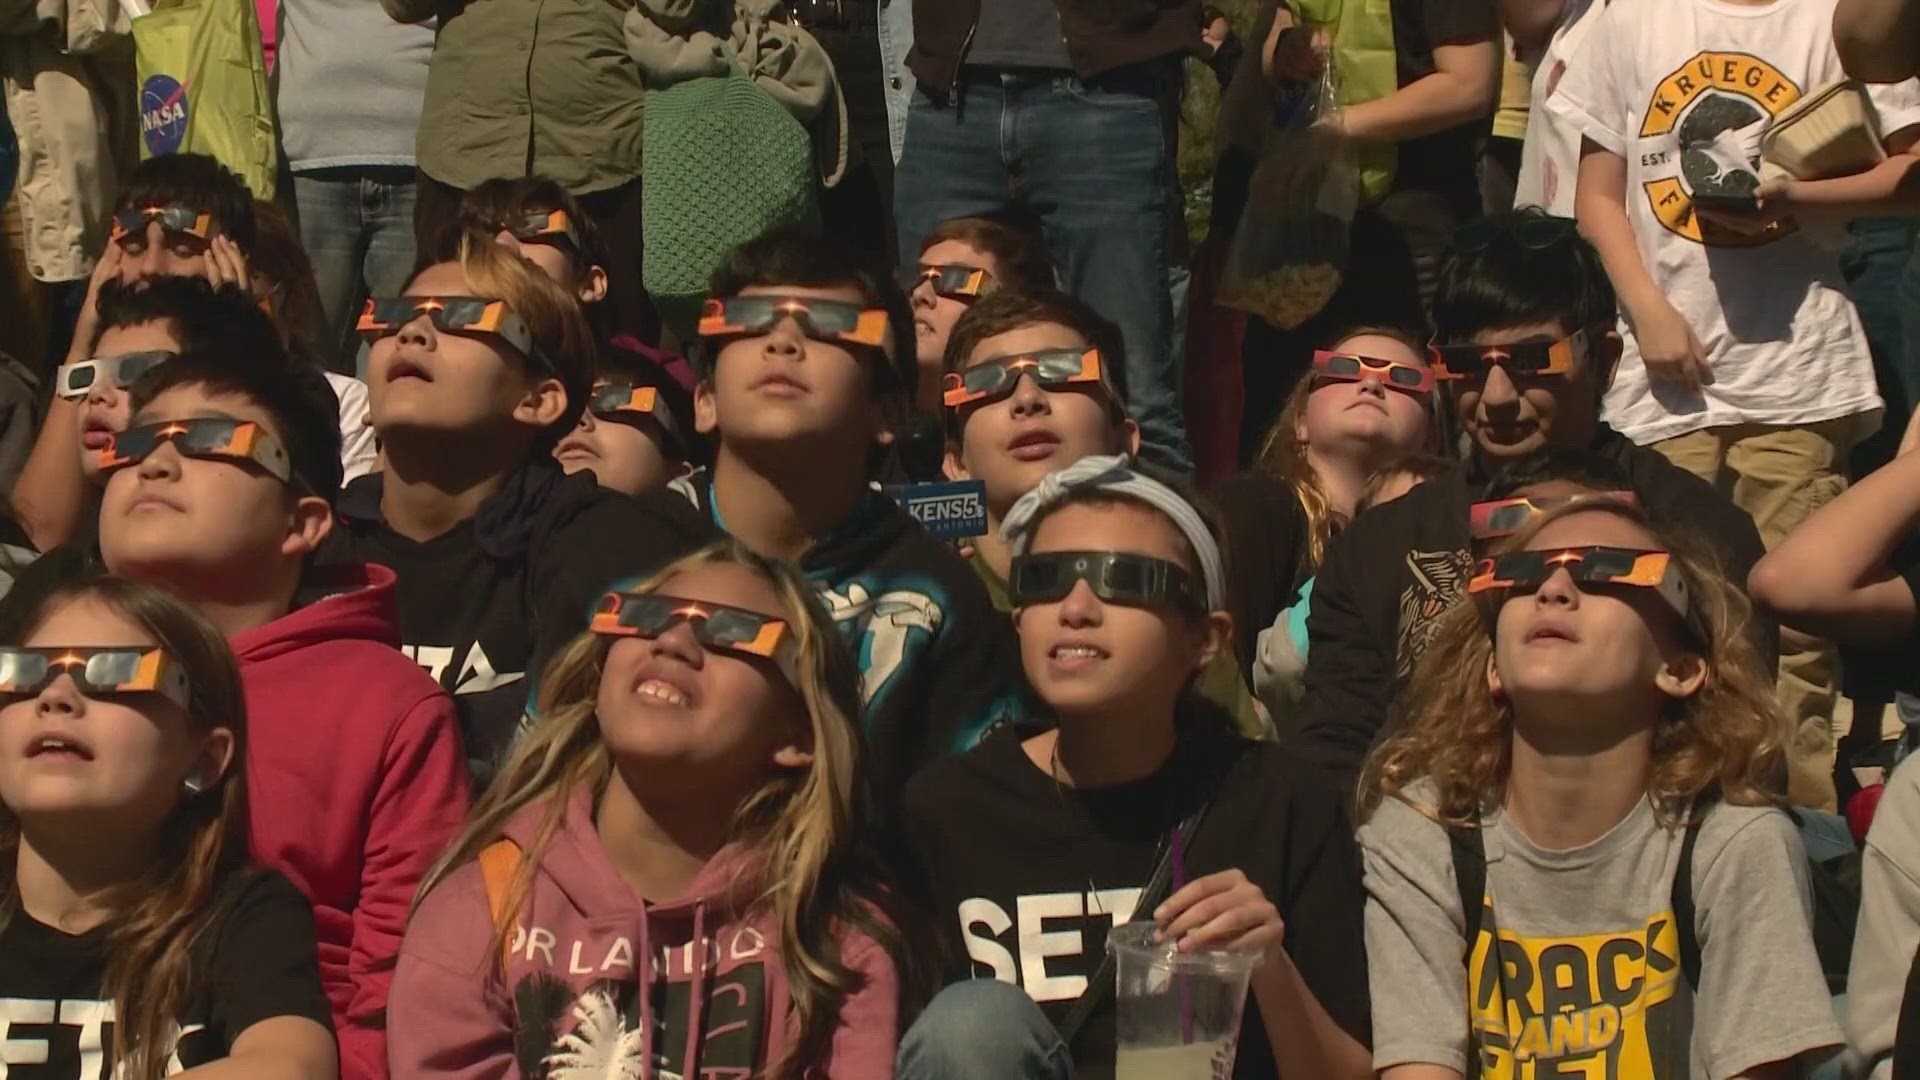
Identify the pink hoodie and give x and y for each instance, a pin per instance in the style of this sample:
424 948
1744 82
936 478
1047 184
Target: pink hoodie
600 983
355 782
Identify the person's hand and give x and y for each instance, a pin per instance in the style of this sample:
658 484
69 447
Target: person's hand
1299 54
1671 351
1772 204
227 266
107 269
1221 911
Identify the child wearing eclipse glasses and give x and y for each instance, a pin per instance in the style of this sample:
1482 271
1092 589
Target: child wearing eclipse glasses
1034 385
803 357
1573 858
1136 803
219 489
475 374
1521 317
139 939
687 811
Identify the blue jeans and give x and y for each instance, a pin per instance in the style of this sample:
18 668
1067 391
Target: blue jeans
983 1029
357 226
1879 263
1091 161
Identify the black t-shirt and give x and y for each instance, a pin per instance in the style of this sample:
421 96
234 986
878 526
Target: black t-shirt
256 962
495 597
1033 875
1446 160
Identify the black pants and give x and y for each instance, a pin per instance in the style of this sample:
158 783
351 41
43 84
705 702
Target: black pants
615 212
859 210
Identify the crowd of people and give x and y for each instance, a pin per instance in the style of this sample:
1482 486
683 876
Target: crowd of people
435 643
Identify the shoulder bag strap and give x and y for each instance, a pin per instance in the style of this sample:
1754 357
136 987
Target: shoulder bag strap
1469 847
1156 891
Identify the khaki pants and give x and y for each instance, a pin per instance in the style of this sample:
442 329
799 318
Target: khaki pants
1781 475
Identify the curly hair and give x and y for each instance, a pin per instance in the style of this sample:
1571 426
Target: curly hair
1723 742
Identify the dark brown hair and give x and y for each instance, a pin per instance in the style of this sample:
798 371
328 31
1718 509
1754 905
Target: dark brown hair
294 299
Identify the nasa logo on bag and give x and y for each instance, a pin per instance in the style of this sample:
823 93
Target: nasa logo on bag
163 114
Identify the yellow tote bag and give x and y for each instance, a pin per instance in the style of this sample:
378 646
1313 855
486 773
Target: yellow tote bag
203 87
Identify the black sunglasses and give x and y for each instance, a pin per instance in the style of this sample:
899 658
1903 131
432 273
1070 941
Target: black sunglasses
1117 577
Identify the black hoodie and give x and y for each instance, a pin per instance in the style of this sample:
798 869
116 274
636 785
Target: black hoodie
940 666
499 594
1387 577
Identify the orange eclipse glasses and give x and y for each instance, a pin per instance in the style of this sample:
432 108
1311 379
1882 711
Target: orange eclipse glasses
1054 369
714 626
1497 578
1352 367
96 671
212 438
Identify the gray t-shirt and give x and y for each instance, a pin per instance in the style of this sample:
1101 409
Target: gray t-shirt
1588 979
1019 34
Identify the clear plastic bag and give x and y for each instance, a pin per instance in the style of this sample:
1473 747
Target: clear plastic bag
1289 253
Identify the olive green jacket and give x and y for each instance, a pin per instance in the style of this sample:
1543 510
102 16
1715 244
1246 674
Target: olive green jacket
522 88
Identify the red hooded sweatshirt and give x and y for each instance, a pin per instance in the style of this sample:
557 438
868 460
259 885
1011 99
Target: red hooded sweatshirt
599 983
356 782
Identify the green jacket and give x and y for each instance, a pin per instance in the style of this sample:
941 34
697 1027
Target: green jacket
519 88
1221 683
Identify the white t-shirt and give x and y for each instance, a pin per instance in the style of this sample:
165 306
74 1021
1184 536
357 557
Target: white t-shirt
358 446
1550 159
1683 89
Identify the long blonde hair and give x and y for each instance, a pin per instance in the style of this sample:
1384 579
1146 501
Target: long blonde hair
1284 453
159 918
1722 742
818 881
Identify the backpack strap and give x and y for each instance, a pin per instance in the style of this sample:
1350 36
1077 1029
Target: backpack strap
1682 898
499 862
1470 872
1469 847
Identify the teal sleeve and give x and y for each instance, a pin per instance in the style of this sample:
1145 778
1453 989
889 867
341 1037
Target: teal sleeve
1297 619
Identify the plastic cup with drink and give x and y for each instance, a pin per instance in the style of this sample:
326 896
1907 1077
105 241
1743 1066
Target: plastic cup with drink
1177 1014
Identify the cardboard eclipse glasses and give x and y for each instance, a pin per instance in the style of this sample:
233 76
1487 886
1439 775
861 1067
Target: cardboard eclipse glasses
174 219
385 316
1496 579
1524 358
1331 365
96 671
833 321
1504 517
955 281
1053 369
73 381
714 626
211 438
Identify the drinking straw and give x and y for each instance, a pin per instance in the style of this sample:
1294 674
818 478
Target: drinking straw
1179 857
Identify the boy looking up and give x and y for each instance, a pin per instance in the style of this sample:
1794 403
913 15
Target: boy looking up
804 352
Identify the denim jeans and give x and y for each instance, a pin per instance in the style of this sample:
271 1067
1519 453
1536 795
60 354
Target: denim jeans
1880 264
1090 160
357 225
983 1029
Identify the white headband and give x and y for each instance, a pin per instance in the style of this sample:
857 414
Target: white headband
1113 474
